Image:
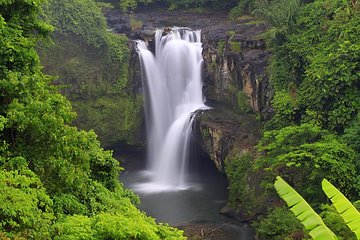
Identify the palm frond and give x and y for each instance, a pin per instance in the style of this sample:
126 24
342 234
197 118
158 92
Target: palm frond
303 211
344 207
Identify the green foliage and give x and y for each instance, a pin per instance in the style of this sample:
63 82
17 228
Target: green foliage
286 105
94 67
235 46
352 134
323 53
243 195
279 224
16 52
352 138
314 71
26 14
283 76
216 4
243 103
116 218
132 4
334 221
67 203
85 19
357 205
237 166
308 217
344 207
99 114
117 53
135 23
62 156
73 228
283 79
303 211
65 17
25 207
112 226
312 154
281 14
53 176
243 7
221 47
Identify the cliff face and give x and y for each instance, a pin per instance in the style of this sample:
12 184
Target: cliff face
236 85
235 63
219 130
235 82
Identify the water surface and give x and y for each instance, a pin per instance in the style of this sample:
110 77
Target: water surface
200 203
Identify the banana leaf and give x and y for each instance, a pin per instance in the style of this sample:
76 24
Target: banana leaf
344 207
303 211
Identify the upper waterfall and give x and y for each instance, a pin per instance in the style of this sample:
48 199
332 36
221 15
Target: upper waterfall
173 93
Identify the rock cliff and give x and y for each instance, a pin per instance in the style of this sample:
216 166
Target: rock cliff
235 81
220 129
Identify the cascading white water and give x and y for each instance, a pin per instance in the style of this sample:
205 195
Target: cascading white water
173 93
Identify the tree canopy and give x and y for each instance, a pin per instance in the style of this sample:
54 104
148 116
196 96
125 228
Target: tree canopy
55 181
314 131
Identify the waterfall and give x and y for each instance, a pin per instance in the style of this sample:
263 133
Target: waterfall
173 93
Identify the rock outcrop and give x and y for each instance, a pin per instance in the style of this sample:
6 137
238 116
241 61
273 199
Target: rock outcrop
219 130
236 59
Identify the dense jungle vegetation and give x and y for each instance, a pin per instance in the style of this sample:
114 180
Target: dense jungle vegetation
56 182
92 63
314 71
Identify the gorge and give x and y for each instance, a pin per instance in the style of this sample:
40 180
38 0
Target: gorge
178 186
233 72
235 86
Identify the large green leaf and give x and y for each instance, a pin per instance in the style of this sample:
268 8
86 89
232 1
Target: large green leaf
303 211
344 207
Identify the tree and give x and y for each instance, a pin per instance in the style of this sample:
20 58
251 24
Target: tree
309 218
306 154
281 15
344 207
50 170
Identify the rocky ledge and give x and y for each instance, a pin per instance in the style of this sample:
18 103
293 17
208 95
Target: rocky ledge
220 129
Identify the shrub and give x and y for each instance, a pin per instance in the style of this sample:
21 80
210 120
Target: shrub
279 224
304 155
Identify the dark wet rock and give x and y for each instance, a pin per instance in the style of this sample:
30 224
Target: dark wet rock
230 212
220 129
236 63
